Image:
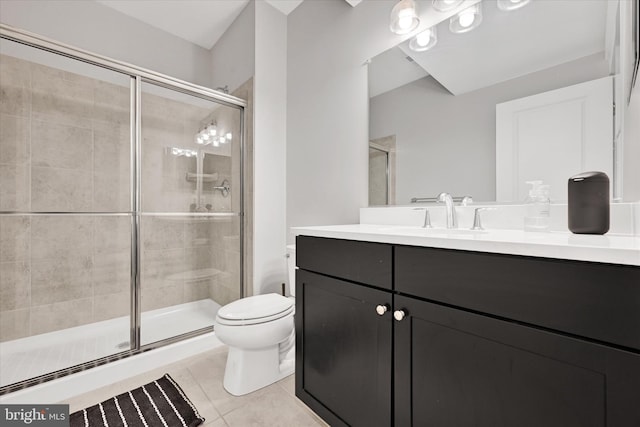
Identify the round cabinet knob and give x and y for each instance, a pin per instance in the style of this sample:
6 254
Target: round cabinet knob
382 309
399 315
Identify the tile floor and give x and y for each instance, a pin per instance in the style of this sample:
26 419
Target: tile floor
201 379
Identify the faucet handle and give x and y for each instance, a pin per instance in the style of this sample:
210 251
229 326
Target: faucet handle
466 200
477 223
427 217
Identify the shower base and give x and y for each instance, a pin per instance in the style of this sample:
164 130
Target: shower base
36 355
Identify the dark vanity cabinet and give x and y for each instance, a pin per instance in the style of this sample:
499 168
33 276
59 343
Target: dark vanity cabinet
345 348
391 335
348 354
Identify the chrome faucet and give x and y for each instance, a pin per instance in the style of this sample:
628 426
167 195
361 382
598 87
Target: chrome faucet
452 220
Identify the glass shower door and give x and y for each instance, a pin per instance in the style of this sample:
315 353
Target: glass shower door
65 212
190 223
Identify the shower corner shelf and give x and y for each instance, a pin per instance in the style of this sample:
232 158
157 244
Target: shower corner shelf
194 275
206 177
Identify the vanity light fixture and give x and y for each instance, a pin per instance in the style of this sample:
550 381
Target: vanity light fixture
404 17
508 5
466 20
446 5
204 136
209 135
424 40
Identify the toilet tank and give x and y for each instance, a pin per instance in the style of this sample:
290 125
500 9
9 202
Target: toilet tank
291 264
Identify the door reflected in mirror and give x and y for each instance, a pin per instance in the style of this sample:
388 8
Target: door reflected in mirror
382 171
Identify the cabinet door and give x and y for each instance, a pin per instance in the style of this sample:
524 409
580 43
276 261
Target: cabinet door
343 350
455 368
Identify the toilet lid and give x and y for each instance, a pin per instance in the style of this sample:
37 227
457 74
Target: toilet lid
256 309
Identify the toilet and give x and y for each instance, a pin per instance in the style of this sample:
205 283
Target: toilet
260 333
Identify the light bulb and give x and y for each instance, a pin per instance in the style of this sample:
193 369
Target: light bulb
509 5
204 135
216 143
446 5
466 19
423 38
405 19
223 140
228 136
212 130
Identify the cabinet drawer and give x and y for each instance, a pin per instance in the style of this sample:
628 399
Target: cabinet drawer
598 301
363 262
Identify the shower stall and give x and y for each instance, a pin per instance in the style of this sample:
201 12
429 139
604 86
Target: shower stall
121 209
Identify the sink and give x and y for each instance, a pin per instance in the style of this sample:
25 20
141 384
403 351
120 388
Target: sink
431 231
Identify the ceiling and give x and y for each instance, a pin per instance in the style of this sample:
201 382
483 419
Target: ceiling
506 45
392 69
201 22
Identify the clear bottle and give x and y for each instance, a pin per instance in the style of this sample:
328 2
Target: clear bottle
537 209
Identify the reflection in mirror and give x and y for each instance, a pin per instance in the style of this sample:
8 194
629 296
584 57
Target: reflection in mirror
382 171
527 95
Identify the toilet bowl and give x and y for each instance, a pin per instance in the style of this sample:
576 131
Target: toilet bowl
260 333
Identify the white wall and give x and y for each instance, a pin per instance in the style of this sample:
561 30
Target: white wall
631 168
100 29
327 154
270 116
446 142
233 55
631 114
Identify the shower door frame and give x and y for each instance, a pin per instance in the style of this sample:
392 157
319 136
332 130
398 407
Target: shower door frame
138 76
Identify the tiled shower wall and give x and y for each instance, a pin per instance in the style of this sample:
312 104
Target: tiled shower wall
64 147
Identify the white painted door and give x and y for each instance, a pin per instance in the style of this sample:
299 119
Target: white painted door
552 136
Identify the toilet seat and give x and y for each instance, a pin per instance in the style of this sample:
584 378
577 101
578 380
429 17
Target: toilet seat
255 309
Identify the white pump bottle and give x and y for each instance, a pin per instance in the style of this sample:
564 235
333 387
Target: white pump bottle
537 207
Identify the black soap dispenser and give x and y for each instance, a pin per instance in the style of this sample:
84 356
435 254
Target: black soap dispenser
589 203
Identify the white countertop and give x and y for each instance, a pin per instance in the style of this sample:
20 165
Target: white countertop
615 249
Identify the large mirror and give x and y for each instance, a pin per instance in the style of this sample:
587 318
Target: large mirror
529 94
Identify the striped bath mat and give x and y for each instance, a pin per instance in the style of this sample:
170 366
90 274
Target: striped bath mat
160 403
